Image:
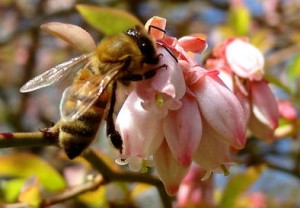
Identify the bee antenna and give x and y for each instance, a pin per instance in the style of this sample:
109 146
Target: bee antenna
165 47
157 28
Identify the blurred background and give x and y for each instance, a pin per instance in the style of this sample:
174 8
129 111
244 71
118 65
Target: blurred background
271 25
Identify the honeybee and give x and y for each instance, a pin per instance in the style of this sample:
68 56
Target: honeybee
92 95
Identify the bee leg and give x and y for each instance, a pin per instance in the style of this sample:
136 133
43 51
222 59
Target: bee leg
47 129
111 131
151 73
159 29
50 132
166 48
138 77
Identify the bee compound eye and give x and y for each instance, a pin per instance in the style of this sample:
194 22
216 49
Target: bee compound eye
146 46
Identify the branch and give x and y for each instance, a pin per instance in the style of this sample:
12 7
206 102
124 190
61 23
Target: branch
110 175
25 26
281 55
27 139
46 138
275 166
88 186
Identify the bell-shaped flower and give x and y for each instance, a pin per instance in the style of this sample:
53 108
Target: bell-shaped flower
264 104
193 191
182 125
287 110
242 69
245 60
221 109
211 143
170 172
141 129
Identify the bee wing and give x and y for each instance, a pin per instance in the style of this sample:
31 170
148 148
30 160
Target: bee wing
56 73
78 98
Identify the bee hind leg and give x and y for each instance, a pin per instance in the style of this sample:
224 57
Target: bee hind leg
116 140
51 131
111 131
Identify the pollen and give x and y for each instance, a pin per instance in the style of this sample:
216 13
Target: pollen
144 168
159 99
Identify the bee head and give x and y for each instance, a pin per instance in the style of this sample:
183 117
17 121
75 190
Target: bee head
145 44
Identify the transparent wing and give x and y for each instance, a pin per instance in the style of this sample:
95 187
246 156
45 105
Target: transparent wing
80 96
56 73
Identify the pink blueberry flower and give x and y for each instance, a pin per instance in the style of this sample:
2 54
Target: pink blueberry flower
183 113
242 68
287 110
193 191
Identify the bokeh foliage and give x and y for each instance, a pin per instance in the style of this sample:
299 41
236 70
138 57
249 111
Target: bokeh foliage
25 51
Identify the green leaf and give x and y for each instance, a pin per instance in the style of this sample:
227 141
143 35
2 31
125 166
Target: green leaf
30 193
95 198
11 189
293 69
24 165
240 19
239 183
274 80
107 20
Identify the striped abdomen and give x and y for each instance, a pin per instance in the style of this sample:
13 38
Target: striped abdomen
75 136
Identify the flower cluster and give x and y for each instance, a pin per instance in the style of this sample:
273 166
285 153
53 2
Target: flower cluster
241 66
185 113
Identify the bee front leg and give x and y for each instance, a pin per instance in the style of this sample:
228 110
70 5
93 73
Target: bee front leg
138 77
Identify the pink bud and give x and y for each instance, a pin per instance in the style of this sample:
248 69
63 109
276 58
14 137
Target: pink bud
77 37
245 60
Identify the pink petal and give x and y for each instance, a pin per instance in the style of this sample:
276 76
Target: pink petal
264 104
168 169
244 100
194 192
141 130
245 60
159 23
222 110
219 50
184 55
183 130
169 42
172 76
211 152
77 37
169 81
287 110
192 44
260 130
225 73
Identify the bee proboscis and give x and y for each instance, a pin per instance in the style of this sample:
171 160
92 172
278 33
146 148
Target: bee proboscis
92 96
